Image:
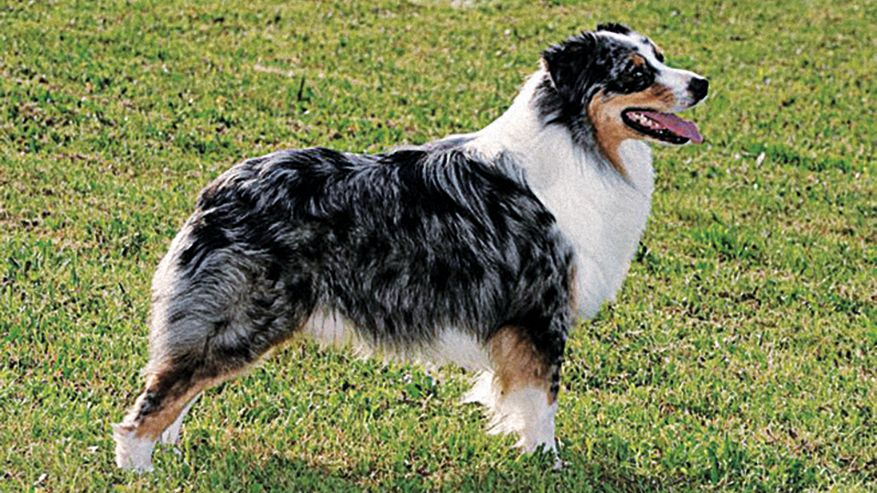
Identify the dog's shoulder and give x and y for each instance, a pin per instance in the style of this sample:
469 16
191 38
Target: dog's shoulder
459 173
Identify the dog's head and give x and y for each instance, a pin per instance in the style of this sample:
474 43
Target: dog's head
616 79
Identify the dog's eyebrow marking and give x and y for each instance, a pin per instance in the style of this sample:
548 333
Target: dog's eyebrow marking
659 53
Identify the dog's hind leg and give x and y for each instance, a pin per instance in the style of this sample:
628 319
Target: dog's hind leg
171 388
168 392
207 331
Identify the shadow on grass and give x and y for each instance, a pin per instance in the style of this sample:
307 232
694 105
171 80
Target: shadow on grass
217 468
235 470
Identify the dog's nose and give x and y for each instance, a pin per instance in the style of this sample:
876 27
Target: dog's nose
698 87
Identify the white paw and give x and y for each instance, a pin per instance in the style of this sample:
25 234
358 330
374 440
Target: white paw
543 447
132 453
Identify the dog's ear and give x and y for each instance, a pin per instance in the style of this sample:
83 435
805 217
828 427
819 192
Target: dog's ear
614 27
569 65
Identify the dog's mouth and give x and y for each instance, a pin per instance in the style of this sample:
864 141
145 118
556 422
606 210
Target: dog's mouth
665 127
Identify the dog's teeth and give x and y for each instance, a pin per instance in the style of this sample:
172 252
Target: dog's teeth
645 121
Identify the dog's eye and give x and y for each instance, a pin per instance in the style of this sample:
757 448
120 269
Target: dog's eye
634 78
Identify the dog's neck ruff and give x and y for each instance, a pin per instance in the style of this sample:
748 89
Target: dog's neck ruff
602 213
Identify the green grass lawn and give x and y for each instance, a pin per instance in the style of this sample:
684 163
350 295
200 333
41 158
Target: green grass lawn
742 351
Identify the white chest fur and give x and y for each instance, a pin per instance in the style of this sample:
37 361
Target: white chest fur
601 214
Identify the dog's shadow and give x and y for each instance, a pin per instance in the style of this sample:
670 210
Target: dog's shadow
232 469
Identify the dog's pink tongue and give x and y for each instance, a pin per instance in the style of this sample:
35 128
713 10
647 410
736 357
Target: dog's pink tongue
678 126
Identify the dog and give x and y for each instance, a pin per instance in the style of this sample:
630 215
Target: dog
478 250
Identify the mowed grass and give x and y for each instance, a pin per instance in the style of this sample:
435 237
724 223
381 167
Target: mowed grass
740 355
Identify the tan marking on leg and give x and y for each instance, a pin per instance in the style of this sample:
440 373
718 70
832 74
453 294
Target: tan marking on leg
177 389
153 424
517 364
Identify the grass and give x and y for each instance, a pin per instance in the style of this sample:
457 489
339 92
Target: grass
741 354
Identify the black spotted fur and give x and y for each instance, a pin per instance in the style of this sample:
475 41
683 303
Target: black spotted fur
402 244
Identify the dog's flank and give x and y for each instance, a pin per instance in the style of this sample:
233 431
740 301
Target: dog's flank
478 249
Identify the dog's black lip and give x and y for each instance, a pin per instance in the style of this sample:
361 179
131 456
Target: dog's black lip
662 135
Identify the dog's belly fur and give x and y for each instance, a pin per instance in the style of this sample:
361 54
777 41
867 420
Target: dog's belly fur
449 345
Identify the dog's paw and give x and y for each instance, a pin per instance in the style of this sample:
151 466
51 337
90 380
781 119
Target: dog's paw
132 453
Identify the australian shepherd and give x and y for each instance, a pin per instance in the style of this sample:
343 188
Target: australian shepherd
480 249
